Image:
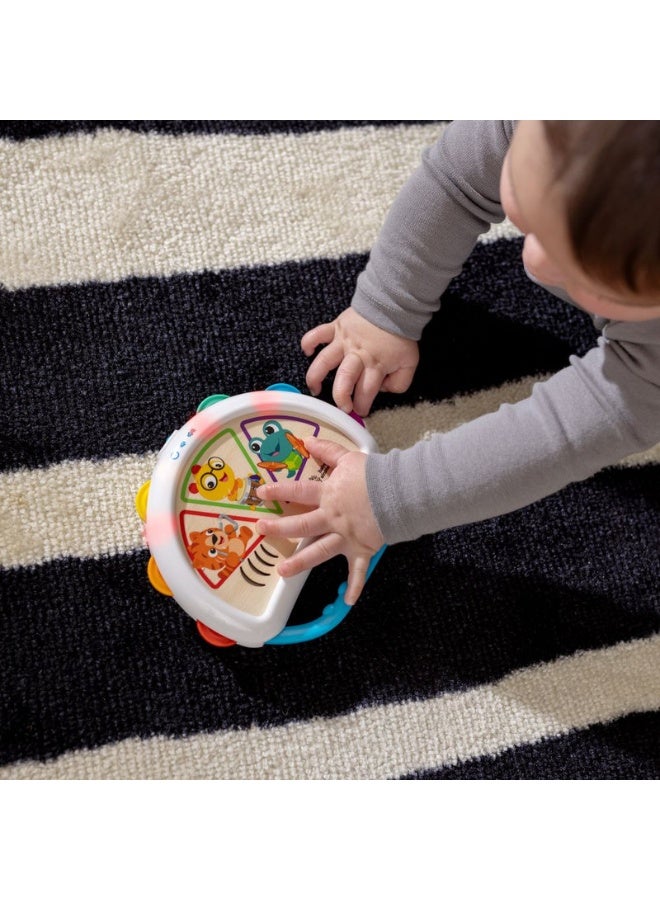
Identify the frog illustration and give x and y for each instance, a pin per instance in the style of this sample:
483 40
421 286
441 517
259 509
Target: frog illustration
279 449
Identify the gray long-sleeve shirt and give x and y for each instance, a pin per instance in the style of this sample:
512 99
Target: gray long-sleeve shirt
601 407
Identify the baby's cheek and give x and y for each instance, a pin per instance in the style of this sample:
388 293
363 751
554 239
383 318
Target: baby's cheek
531 256
538 264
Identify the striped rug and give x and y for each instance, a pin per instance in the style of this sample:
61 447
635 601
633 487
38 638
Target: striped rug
145 265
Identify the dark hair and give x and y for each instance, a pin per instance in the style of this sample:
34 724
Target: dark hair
611 170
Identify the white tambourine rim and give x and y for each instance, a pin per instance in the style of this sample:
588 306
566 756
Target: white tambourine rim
200 601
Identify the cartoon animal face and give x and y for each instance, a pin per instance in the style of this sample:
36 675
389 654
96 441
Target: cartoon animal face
274 446
214 480
278 449
219 548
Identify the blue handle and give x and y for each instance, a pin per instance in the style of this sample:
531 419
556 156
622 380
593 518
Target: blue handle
331 616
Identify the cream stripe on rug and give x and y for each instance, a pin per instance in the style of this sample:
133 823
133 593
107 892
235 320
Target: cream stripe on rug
98 518
542 701
109 205
86 510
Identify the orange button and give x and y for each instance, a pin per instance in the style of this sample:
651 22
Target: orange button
212 637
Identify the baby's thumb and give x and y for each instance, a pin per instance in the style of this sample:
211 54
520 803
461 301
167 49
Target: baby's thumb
398 381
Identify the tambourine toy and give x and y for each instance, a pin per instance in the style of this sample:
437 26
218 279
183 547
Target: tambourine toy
200 510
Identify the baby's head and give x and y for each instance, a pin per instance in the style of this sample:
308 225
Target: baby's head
587 196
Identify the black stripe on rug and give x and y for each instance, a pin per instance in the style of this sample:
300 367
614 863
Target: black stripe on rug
21 130
445 613
98 370
628 748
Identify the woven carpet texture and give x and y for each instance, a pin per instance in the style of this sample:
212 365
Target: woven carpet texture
147 265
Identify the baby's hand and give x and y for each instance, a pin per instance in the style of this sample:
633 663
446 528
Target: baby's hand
339 516
367 360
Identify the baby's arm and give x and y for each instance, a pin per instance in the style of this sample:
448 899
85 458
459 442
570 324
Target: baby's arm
599 409
429 232
602 407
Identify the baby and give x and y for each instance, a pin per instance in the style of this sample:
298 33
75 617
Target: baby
587 197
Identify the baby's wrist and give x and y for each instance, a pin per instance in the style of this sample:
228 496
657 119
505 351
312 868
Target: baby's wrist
391 319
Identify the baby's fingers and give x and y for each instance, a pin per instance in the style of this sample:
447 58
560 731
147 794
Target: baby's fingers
348 375
305 492
324 451
328 359
366 390
308 524
357 576
398 382
314 554
322 334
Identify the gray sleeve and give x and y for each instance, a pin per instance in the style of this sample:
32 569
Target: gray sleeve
600 408
433 225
